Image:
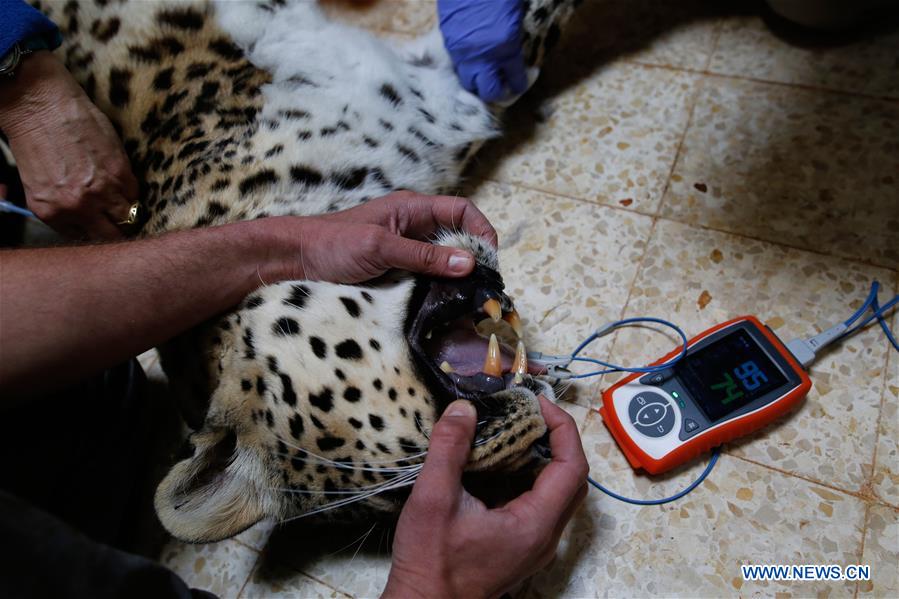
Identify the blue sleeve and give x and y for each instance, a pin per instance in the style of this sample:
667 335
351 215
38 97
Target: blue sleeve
18 22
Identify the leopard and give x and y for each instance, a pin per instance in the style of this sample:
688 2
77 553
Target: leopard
311 398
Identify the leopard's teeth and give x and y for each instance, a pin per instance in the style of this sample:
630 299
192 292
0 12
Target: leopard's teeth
514 321
446 367
429 334
493 364
493 309
520 363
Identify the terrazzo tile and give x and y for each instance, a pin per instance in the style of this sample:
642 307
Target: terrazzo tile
611 139
881 553
742 514
747 47
812 170
886 470
401 16
257 535
678 34
697 278
351 559
286 583
220 568
566 264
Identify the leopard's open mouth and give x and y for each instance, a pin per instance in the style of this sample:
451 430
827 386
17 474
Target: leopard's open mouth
466 336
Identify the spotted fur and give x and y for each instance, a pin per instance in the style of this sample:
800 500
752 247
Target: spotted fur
305 395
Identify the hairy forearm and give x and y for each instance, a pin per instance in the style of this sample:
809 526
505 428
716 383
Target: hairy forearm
68 312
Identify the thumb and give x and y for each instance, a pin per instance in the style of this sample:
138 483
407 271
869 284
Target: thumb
426 258
440 481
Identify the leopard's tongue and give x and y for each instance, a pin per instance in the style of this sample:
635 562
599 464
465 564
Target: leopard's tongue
465 352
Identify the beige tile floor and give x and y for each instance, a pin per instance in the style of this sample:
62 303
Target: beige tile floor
682 162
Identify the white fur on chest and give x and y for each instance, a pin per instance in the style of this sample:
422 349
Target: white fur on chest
356 102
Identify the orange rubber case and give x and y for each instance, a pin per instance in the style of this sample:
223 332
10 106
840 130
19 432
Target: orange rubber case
703 442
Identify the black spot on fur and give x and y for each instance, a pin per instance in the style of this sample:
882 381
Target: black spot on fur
297 463
289 396
269 418
382 447
304 135
378 384
254 301
339 374
352 307
354 423
198 70
274 151
250 352
386 124
367 297
285 326
181 18
245 384
298 296
391 393
371 143
352 394
324 401
390 93
348 350
360 445
296 426
219 185
408 446
263 178
411 392
374 344
226 49
305 175
329 443
104 31
350 179
376 422
408 153
319 347
316 422
272 364
261 387
119 94
163 79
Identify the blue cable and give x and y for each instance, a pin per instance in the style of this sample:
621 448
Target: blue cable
675 497
7 206
610 368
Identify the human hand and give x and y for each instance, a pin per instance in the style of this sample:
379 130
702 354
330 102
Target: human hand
76 175
483 38
448 544
364 242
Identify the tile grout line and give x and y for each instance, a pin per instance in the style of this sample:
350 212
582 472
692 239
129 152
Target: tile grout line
801 86
861 549
325 584
566 196
869 483
256 564
857 494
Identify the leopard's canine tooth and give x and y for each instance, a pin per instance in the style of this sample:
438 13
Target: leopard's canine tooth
515 321
520 363
493 309
445 367
493 364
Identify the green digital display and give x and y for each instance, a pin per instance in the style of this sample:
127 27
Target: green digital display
728 374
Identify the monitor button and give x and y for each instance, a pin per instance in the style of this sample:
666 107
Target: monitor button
690 425
651 414
654 379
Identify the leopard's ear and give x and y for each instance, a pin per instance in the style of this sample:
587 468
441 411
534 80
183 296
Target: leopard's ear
217 492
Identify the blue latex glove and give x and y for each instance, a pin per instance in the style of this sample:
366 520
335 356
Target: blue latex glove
483 37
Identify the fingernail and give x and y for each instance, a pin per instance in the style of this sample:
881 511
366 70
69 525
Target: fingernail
460 263
460 407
